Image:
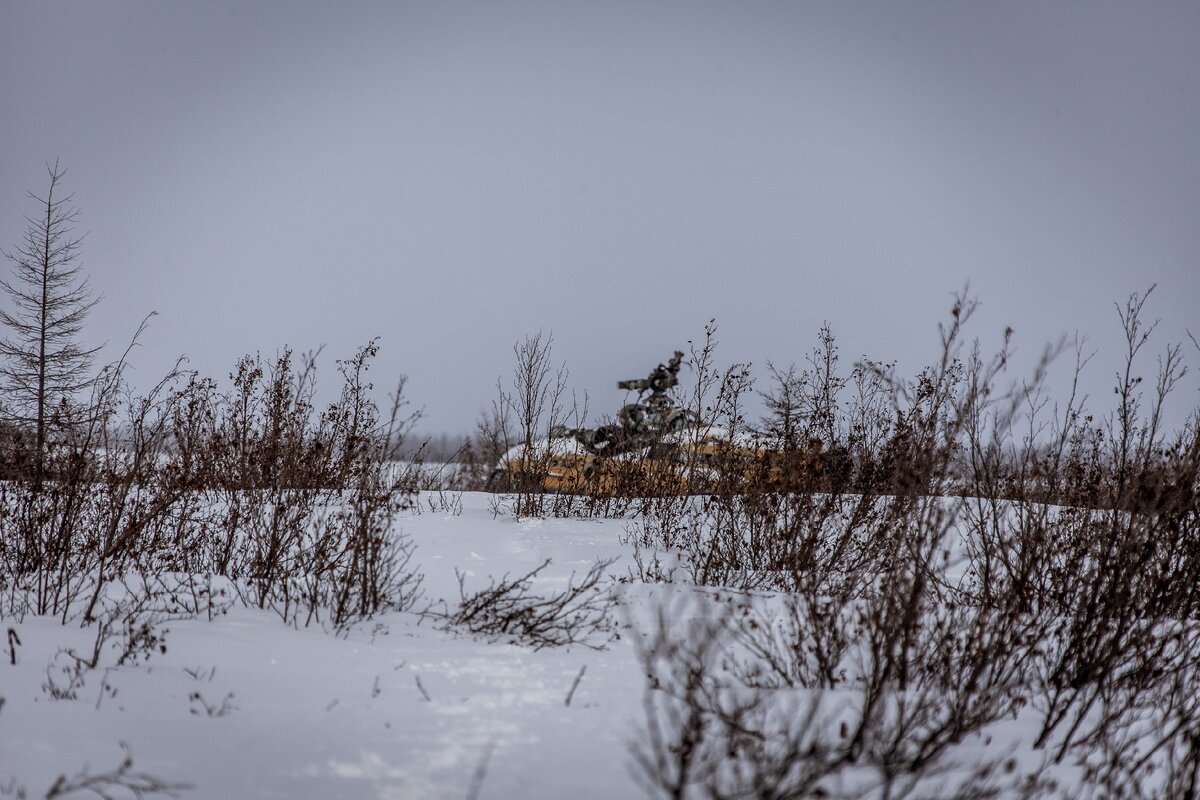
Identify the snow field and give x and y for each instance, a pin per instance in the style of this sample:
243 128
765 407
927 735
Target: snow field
310 714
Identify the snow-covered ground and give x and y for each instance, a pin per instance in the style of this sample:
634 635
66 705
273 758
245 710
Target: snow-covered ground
407 706
398 708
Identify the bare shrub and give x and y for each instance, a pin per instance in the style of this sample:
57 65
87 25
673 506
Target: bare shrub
510 609
375 570
921 580
309 522
711 733
526 433
523 418
296 508
105 490
120 780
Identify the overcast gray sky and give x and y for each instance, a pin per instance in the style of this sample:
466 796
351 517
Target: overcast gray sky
452 176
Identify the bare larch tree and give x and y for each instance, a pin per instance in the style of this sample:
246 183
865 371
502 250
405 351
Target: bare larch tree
41 361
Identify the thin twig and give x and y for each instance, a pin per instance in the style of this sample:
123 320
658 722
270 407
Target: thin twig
480 771
575 685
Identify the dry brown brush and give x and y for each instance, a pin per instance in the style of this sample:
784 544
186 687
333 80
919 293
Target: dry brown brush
912 576
293 506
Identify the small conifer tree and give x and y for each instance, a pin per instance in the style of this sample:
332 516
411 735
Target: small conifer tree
42 364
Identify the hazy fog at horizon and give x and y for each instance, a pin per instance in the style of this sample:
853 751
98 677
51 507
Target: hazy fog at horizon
453 177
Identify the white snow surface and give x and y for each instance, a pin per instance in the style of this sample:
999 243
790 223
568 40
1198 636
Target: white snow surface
318 715
401 706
